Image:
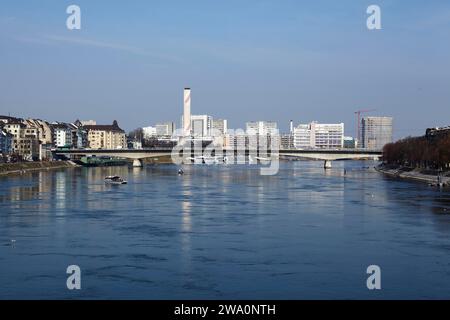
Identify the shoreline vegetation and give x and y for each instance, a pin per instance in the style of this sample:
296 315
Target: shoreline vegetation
425 158
25 167
414 174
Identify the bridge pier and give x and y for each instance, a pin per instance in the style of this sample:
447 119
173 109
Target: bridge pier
137 163
327 164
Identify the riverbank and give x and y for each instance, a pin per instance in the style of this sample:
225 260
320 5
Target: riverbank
24 167
412 174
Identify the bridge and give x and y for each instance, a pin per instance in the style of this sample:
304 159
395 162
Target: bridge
137 155
333 154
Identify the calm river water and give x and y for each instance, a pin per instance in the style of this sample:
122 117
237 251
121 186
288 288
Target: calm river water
223 232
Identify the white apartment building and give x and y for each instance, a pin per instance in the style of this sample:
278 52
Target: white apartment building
63 135
319 135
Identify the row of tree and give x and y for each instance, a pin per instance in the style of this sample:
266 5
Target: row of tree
420 152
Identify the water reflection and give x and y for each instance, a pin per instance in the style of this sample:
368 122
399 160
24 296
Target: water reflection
60 190
186 221
266 236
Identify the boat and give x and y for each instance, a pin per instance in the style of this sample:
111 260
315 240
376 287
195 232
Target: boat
262 160
198 160
93 161
115 180
211 160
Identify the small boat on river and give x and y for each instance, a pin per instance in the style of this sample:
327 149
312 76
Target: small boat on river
115 180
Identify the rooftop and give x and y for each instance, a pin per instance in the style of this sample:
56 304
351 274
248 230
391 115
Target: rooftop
114 127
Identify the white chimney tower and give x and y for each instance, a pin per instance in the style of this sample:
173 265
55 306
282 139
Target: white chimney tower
291 127
187 112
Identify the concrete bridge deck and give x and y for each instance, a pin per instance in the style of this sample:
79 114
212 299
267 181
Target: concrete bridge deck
138 155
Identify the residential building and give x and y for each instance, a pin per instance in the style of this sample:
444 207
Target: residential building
319 135
6 119
27 147
44 130
25 141
79 135
376 132
63 135
88 122
106 136
14 127
45 136
6 142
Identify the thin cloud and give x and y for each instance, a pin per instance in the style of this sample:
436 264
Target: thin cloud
98 44
52 39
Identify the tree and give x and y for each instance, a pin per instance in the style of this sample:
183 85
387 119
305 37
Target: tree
420 152
136 134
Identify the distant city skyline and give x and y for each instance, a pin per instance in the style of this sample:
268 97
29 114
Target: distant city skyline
258 60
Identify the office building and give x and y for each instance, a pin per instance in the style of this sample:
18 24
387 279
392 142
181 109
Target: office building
376 132
165 129
149 132
287 141
201 125
261 127
219 127
319 135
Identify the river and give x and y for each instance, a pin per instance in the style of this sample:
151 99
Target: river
223 232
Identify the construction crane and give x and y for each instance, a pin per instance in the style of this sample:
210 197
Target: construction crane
358 119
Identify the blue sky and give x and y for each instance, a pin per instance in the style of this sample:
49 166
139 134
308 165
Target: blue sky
244 60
